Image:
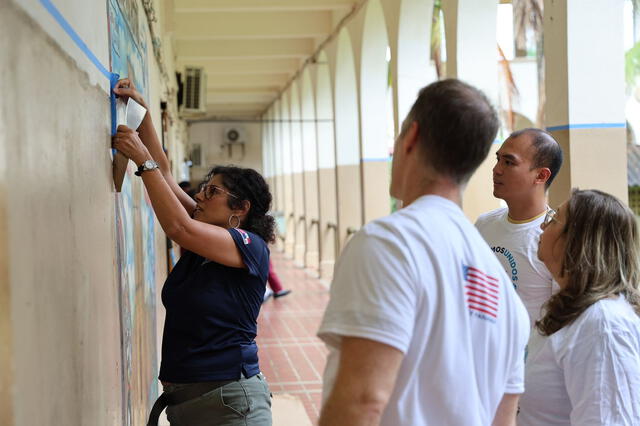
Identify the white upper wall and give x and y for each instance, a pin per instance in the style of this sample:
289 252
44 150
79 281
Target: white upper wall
82 17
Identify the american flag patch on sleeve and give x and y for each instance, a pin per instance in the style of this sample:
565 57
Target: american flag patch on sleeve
246 239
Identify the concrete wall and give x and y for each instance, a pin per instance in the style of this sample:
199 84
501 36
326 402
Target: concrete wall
59 198
60 318
210 135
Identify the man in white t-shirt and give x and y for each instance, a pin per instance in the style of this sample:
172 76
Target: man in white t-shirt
423 325
527 162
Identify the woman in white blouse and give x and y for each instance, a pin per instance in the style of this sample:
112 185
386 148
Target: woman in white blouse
583 363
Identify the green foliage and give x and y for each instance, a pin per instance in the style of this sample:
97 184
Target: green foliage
632 65
436 29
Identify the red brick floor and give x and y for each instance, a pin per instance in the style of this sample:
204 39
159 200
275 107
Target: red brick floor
291 356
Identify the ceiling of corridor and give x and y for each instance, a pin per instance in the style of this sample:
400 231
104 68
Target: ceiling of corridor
250 49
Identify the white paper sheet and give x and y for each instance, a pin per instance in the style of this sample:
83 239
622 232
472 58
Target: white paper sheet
130 114
135 114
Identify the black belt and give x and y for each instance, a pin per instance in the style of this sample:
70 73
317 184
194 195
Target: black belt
182 395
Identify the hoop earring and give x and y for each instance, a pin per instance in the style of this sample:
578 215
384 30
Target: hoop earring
231 217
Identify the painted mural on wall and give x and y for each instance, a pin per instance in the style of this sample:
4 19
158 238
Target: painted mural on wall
147 318
136 254
128 46
126 264
136 257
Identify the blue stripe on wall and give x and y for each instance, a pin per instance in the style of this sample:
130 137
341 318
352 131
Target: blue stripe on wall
587 126
55 13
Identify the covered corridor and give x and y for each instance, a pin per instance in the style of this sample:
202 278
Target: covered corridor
293 357
311 93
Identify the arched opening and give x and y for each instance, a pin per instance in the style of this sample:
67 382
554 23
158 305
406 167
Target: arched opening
413 50
470 29
438 42
287 175
278 157
632 101
520 97
297 176
347 141
265 131
327 191
374 113
310 167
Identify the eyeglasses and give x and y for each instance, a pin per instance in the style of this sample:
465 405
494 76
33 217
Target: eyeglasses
550 217
210 191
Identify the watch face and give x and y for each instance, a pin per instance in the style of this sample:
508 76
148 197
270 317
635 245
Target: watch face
148 164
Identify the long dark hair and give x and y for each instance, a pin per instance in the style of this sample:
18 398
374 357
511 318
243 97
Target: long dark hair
601 259
248 185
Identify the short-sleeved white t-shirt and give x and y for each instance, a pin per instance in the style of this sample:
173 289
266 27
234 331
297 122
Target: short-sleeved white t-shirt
587 373
516 247
423 280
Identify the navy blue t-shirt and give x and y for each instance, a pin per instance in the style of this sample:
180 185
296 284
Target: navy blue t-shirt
212 313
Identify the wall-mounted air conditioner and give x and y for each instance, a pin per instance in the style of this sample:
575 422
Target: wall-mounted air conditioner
194 94
232 137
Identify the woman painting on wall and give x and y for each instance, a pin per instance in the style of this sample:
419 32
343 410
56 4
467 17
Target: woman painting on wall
209 369
583 366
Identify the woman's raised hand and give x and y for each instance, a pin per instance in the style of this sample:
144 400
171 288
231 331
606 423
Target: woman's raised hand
125 89
126 141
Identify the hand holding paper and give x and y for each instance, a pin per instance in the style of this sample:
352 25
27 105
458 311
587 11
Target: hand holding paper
126 90
128 143
130 112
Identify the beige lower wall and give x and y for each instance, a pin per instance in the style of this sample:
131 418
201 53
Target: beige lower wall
561 185
478 196
376 199
593 159
60 337
278 206
312 213
6 341
63 291
349 200
328 214
299 212
289 215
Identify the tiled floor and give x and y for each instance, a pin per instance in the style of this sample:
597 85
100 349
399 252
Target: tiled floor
291 356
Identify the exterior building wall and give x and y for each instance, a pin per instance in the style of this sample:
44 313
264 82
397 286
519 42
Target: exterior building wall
67 346
62 294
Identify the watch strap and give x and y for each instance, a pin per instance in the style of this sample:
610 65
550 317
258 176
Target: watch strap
142 168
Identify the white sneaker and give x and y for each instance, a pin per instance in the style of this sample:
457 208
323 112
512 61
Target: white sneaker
267 294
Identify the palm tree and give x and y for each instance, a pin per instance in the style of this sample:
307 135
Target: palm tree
636 20
528 17
510 88
436 39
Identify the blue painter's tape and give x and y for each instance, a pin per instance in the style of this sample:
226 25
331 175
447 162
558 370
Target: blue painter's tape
114 79
587 126
74 36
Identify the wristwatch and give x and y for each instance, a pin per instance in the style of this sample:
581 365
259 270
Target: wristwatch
147 165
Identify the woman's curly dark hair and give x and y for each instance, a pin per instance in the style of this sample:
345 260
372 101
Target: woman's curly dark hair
248 185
